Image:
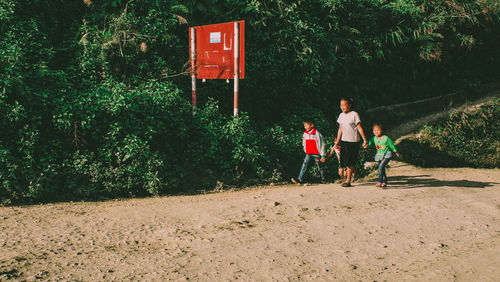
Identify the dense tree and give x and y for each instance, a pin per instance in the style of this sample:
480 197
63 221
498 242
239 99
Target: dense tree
92 93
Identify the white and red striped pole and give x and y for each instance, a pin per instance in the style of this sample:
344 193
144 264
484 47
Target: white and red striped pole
193 68
236 65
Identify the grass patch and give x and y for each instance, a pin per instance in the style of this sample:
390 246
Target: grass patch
467 138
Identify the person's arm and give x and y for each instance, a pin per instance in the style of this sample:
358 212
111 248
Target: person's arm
322 148
371 141
332 150
339 136
391 146
304 142
360 129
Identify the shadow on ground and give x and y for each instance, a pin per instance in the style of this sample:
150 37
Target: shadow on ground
424 181
423 155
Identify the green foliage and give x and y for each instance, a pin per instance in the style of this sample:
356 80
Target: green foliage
466 138
93 103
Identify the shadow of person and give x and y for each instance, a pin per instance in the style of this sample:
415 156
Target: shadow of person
421 181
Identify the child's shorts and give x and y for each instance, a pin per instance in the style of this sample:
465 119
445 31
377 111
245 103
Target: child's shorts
349 152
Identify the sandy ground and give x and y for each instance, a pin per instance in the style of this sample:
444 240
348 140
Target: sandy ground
432 224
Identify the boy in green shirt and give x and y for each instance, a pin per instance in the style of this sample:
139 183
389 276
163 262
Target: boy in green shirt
385 147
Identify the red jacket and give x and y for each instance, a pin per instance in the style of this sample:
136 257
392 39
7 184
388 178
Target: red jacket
313 143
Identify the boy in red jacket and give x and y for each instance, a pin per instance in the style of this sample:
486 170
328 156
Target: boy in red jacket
314 147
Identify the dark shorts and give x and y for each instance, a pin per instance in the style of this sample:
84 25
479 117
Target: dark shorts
349 152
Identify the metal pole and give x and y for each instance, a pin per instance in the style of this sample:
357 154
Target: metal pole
236 66
193 68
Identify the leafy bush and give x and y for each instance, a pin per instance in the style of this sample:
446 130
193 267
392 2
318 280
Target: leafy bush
465 138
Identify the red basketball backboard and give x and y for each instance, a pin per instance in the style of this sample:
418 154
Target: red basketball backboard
215 50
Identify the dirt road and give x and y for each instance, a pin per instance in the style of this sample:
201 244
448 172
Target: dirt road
432 224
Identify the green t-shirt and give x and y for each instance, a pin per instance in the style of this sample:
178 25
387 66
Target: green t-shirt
383 145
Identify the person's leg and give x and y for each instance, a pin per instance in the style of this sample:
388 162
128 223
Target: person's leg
380 174
352 159
320 167
381 171
305 164
342 157
340 170
349 174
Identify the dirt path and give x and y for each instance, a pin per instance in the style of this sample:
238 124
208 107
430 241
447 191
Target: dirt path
407 129
432 224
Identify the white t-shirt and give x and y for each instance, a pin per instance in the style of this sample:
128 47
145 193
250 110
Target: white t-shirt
349 123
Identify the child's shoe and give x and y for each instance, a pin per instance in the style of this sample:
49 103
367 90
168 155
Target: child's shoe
378 184
297 181
384 185
346 184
